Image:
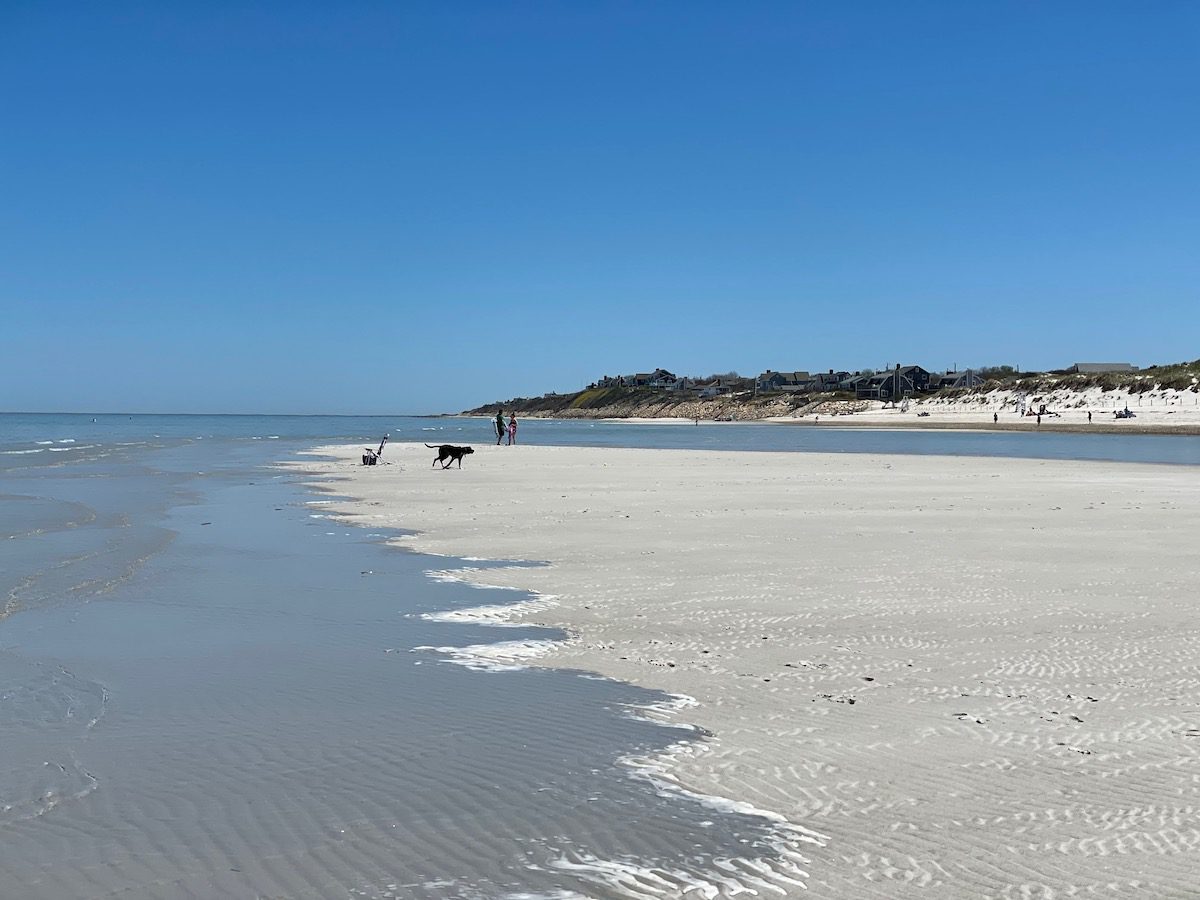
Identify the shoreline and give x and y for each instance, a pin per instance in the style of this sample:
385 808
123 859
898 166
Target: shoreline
1124 427
881 646
1155 410
912 423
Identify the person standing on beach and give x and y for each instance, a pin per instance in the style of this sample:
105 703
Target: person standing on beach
995 418
1089 417
499 426
512 429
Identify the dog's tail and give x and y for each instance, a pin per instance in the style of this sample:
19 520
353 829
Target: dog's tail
434 446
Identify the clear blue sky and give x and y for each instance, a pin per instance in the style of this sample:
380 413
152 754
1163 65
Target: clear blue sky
409 207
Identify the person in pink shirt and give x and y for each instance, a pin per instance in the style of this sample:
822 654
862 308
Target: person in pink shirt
512 429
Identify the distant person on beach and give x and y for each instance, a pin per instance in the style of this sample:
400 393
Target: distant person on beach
499 426
512 429
1039 418
1089 416
995 418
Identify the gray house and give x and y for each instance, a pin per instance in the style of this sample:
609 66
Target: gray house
903 381
956 380
722 385
830 381
783 381
1098 368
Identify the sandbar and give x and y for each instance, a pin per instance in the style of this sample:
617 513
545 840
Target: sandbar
970 677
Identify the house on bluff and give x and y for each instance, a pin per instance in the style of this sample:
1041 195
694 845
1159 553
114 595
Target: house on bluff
903 381
783 381
1100 368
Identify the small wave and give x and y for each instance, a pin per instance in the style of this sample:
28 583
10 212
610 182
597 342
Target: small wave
43 443
272 437
780 869
506 656
456 576
67 441
500 615
20 452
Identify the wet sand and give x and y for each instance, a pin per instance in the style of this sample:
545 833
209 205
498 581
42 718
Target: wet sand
210 690
970 676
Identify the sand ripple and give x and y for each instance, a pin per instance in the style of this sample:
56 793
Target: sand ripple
975 678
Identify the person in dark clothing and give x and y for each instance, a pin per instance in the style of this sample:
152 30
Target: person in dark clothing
501 430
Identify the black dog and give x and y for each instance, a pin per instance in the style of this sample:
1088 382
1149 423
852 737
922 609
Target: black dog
449 453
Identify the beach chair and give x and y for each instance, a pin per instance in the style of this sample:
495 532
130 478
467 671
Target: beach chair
372 456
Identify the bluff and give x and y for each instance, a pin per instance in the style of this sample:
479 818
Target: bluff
1060 389
655 403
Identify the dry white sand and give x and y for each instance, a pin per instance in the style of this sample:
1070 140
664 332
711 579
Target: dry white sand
1162 410
973 677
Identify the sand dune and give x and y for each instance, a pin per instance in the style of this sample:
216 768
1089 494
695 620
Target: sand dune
1160 411
971 677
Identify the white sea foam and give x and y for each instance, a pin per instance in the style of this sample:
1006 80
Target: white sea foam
781 870
778 871
500 615
43 443
458 576
505 656
663 712
729 877
67 441
21 452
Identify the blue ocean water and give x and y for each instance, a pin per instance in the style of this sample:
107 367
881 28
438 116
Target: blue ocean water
209 689
43 438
